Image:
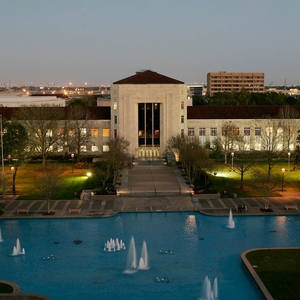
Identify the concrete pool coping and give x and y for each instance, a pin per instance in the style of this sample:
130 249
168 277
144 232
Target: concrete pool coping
106 206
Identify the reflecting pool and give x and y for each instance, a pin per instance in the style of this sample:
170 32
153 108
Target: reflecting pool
66 258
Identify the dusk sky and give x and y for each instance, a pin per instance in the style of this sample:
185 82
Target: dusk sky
98 42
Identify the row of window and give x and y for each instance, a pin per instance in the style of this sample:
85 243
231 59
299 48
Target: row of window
83 148
213 131
94 132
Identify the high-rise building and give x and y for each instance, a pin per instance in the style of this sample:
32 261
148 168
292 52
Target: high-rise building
230 82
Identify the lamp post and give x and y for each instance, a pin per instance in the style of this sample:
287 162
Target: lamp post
12 171
282 178
72 157
2 158
232 155
289 157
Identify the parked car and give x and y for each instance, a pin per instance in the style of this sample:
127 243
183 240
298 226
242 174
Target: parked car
111 191
199 191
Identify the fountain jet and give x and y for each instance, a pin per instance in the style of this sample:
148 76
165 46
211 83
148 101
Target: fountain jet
231 223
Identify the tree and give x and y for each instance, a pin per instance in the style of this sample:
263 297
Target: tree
289 118
117 155
49 182
15 145
230 136
176 144
43 127
103 171
266 184
242 165
193 157
79 127
271 140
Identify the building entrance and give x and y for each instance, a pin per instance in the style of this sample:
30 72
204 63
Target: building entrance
149 124
148 153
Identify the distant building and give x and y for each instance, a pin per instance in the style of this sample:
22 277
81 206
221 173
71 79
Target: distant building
23 100
195 89
230 82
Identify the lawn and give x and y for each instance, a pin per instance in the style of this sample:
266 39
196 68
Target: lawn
231 181
279 269
28 174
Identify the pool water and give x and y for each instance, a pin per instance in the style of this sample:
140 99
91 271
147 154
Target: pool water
201 246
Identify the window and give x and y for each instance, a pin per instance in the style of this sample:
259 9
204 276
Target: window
105 132
94 148
182 119
60 132
105 148
247 131
72 132
116 120
60 148
49 133
213 131
182 105
202 131
82 131
257 131
83 148
236 131
191 132
115 133
94 132
269 131
115 105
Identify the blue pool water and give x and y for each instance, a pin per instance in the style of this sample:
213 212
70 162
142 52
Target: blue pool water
201 245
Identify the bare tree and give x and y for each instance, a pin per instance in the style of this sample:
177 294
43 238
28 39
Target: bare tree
242 165
79 127
117 156
43 127
289 118
49 182
103 171
267 185
15 144
271 140
230 136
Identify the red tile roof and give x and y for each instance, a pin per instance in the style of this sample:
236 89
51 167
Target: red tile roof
234 112
95 112
148 77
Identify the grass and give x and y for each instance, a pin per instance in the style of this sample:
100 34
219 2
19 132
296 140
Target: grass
232 181
27 176
279 269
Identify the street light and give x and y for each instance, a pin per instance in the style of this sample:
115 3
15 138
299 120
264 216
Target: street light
12 171
282 178
72 157
2 158
9 157
232 155
289 157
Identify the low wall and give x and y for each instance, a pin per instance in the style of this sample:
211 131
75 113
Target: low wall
207 196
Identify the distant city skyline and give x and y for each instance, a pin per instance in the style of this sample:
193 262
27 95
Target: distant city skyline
97 42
